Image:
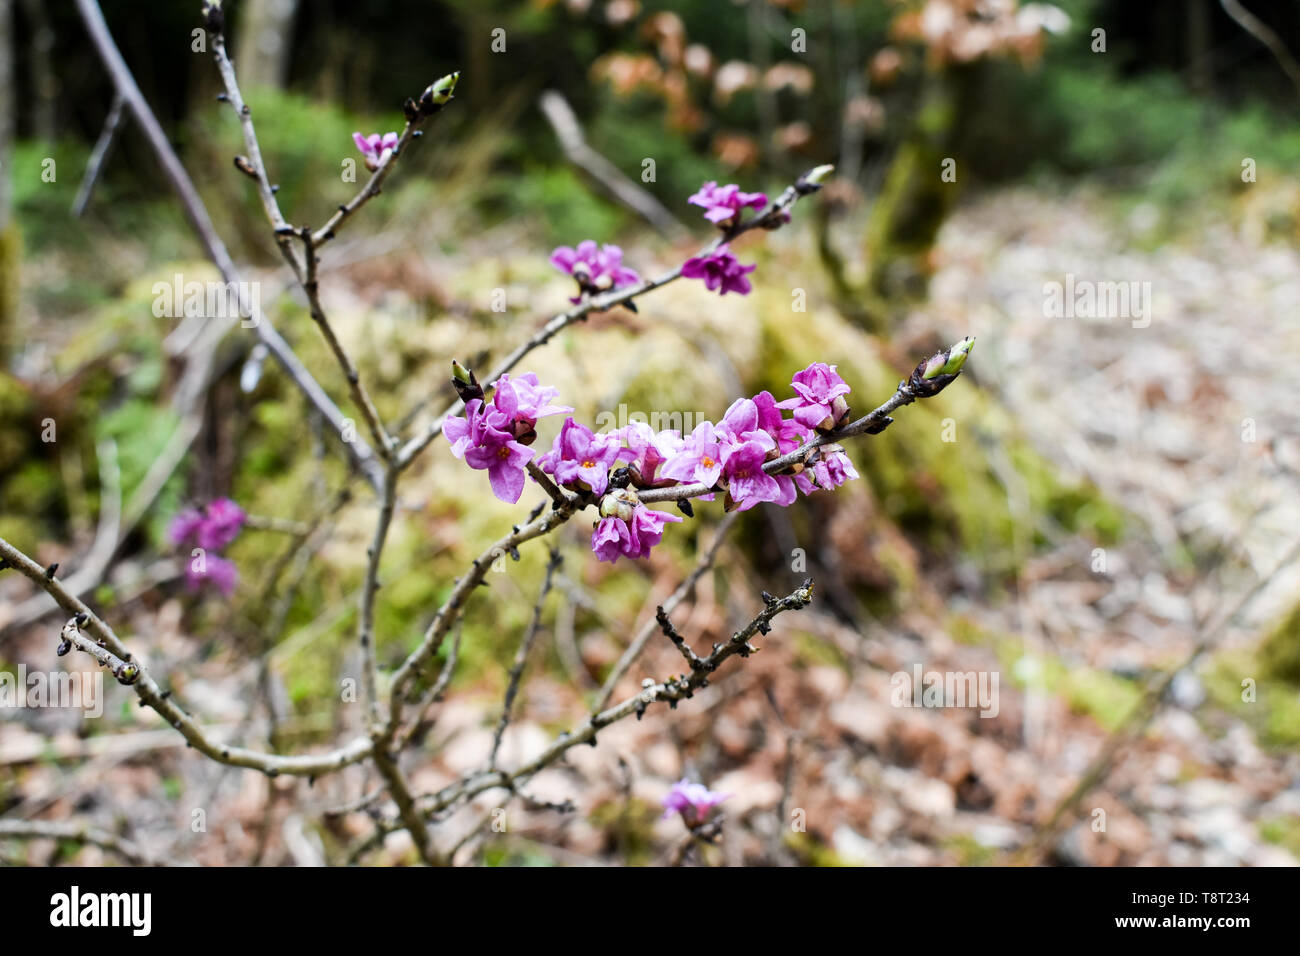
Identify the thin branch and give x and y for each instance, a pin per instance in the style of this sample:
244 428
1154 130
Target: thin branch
434 693
538 525
79 833
560 115
366 630
151 695
671 692
265 191
437 94
684 590
311 287
304 268
1266 35
521 656
406 808
773 216
124 83
99 155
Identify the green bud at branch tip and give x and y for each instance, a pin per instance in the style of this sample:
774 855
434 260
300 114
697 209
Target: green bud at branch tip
441 90
818 175
957 356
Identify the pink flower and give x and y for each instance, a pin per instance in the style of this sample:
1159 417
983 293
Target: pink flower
220 572
210 529
787 432
596 268
207 532
484 438
648 450
833 468
522 401
614 537
185 525
376 148
222 525
581 457
820 400
741 424
493 436
647 528
698 460
720 270
747 482
722 204
611 539
693 801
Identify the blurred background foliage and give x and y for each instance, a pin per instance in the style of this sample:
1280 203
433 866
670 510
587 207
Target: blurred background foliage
710 89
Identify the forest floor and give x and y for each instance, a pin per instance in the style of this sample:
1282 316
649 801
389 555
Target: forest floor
1189 422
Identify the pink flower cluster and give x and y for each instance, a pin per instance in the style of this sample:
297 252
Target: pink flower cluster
494 435
209 530
723 204
728 456
596 268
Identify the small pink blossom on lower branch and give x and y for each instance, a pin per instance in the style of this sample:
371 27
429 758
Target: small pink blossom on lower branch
694 801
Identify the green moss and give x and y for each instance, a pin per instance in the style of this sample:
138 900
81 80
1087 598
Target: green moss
810 651
970 852
1279 652
1284 832
914 200
10 282
811 851
1274 713
1104 696
937 471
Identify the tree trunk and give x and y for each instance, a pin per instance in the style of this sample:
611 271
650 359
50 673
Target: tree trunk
265 36
45 84
9 239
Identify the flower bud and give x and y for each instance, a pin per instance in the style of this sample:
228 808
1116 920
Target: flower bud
438 93
466 385
951 361
619 503
931 376
812 180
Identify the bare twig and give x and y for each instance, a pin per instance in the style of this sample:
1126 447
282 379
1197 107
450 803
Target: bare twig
125 84
670 691
366 634
1138 719
79 833
560 115
401 793
151 695
521 656
770 217
99 155
684 590
1266 35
